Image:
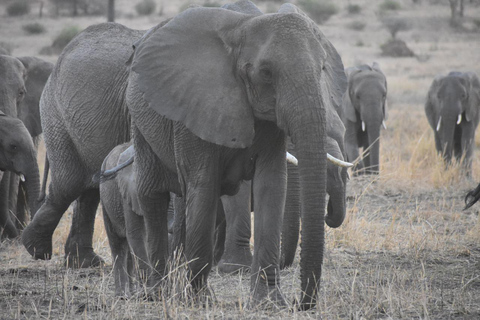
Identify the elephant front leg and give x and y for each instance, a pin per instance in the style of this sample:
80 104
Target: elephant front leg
237 255
269 192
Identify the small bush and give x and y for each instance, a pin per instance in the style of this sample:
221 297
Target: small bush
18 8
389 5
34 28
65 36
359 43
395 25
145 7
319 11
356 25
476 22
354 9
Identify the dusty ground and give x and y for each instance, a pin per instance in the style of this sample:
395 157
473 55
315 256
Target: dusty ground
406 250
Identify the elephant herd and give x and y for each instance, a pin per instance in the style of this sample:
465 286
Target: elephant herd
182 130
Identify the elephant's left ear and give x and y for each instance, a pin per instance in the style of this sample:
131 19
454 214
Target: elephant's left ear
472 111
186 71
334 69
37 73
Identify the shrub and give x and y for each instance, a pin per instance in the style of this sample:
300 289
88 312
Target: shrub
34 28
319 11
18 8
356 25
145 7
395 25
354 9
389 5
65 36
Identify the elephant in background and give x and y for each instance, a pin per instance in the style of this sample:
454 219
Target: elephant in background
241 103
364 113
21 86
18 156
452 109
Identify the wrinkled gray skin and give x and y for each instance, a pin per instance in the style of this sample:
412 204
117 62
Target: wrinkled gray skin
256 101
123 221
17 155
364 101
452 109
21 85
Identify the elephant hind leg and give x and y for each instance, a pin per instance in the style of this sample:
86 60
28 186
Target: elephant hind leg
120 256
78 248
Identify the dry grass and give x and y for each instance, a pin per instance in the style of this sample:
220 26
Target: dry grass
406 249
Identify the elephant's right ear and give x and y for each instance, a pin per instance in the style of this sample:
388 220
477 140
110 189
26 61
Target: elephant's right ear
348 109
473 105
186 71
431 104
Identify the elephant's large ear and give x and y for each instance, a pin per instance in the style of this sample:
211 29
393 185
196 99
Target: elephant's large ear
376 67
432 102
37 73
186 71
473 105
334 69
347 105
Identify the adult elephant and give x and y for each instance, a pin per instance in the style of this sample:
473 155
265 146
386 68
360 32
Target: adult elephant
452 110
21 86
17 155
364 113
84 116
213 86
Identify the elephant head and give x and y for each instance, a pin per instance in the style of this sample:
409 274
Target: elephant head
364 105
218 72
12 84
18 154
452 106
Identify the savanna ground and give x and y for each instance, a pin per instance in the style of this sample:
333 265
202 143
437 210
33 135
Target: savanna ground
406 249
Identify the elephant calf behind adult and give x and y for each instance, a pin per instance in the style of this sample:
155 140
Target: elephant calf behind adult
364 112
453 112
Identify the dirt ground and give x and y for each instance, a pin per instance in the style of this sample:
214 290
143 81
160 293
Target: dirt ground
406 249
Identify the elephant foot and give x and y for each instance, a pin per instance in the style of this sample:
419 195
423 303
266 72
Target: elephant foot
83 258
238 261
37 244
265 297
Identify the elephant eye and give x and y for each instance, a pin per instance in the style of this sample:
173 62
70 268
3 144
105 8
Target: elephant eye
266 74
13 147
21 93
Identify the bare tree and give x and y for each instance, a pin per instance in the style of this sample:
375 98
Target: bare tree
457 8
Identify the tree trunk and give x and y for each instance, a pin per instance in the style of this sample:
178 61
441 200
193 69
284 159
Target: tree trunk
111 11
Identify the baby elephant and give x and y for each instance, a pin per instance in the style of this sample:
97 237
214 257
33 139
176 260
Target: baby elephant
365 111
452 110
123 218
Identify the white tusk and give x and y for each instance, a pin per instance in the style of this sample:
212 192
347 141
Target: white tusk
438 124
363 126
291 158
339 162
384 125
22 177
459 120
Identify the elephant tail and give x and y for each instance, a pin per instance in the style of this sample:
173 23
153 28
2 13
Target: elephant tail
472 197
43 192
103 176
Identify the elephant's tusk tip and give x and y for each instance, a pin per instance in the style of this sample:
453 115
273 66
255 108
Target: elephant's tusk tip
338 162
22 177
291 158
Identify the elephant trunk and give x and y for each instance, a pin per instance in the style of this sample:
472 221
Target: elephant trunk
32 183
306 125
337 206
448 123
373 162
